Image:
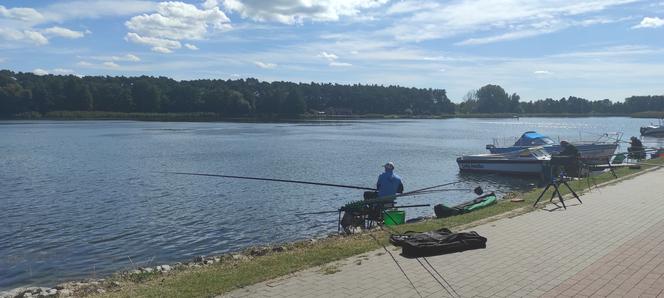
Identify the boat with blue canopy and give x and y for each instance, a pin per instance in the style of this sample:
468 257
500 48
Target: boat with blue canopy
599 151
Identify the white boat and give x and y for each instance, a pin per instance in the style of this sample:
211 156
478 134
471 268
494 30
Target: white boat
653 130
599 151
522 162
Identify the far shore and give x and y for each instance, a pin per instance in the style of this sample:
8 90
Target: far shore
213 117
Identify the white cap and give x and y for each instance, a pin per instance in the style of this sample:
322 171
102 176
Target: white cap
389 165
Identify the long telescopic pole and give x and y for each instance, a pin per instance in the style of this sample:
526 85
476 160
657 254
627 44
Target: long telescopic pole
271 179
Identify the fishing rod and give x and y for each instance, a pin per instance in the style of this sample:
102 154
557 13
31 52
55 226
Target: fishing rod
427 190
271 179
386 199
335 211
644 164
478 190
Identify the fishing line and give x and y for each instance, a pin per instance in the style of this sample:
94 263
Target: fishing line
441 276
398 265
394 232
433 276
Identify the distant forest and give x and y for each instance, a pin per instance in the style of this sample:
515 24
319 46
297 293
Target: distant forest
29 93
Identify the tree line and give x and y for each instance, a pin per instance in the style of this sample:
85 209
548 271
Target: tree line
26 92
492 99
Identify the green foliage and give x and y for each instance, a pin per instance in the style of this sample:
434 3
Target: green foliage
26 92
494 99
146 96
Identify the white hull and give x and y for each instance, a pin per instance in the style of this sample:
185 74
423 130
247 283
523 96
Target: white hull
597 154
653 131
506 167
524 162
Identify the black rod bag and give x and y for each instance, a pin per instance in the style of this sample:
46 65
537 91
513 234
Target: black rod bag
433 243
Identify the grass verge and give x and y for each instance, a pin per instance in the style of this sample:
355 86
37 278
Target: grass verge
232 274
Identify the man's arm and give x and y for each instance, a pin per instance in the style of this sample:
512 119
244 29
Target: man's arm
400 189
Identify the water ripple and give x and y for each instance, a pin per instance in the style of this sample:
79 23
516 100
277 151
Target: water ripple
84 198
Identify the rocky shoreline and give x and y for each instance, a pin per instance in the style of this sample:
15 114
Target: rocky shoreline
116 281
88 287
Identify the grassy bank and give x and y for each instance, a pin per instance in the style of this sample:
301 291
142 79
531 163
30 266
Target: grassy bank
232 273
210 117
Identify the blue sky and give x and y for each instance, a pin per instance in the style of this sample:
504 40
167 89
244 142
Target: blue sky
551 48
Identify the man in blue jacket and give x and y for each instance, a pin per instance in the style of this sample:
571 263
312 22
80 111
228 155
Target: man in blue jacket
389 183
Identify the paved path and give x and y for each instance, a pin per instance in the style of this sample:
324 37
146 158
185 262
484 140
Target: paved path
611 245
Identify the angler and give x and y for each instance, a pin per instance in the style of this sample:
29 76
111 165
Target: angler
364 213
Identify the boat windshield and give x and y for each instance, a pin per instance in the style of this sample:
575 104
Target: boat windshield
538 152
532 138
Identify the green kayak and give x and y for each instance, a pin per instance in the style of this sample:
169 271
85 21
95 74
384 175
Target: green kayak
443 211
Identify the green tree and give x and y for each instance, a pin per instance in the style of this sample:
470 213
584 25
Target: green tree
112 97
78 95
293 103
13 98
146 96
492 99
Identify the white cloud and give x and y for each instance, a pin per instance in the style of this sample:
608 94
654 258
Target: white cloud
127 57
340 64
160 45
328 56
297 11
190 46
648 22
173 22
507 36
63 71
21 13
63 32
515 18
332 59
207 4
91 9
110 64
162 50
36 37
40 72
542 72
536 29
103 65
265 65
19 24
410 6
614 51
29 36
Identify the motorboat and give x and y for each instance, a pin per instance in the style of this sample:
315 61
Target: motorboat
653 130
599 151
527 161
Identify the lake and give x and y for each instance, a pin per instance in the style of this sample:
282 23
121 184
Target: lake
86 198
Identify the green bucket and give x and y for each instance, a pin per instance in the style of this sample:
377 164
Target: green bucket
394 217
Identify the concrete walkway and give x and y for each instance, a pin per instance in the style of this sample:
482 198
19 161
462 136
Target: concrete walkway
611 245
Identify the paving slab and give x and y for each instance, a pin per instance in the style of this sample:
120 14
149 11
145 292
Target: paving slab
611 245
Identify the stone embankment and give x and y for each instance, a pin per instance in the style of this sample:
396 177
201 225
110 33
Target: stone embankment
102 285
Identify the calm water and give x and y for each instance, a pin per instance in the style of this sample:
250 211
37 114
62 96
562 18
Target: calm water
79 199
